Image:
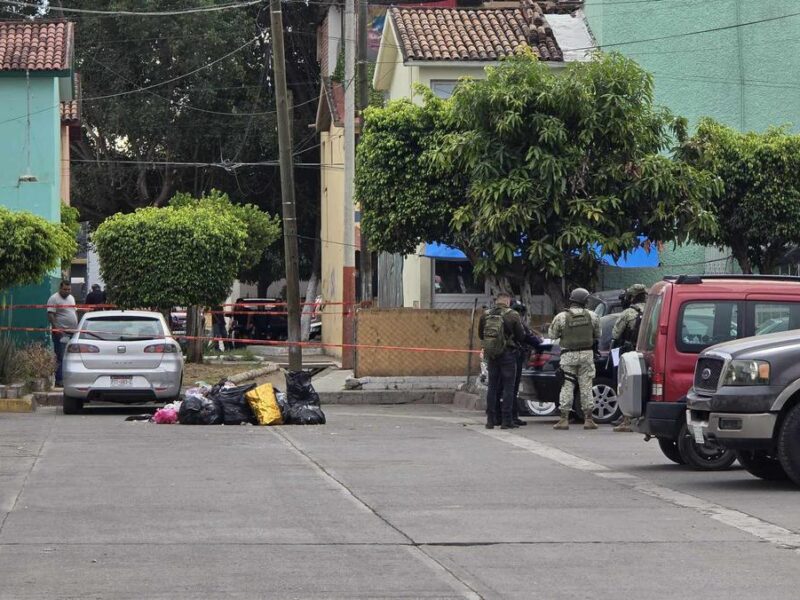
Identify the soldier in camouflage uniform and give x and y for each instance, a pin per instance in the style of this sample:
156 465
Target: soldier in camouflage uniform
578 331
626 331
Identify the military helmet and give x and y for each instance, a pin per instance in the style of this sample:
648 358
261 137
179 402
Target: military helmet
636 290
579 296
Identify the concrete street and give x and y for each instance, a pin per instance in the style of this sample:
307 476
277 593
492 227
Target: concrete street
382 502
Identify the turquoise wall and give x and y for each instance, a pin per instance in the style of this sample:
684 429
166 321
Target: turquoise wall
745 77
41 197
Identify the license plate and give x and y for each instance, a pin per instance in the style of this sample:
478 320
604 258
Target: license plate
121 381
698 434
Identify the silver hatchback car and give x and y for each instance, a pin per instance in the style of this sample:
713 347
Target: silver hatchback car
121 356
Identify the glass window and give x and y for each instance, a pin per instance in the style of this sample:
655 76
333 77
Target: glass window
651 333
456 277
444 88
122 329
774 317
703 324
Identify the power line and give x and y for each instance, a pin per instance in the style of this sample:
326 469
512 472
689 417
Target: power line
131 13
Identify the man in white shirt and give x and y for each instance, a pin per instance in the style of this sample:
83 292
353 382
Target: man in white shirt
63 319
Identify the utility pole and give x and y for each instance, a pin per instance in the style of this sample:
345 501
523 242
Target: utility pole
349 270
363 102
287 188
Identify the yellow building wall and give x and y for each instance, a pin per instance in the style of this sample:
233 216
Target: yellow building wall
332 235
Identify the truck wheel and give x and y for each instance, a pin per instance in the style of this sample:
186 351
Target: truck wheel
789 444
761 464
703 457
671 451
72 406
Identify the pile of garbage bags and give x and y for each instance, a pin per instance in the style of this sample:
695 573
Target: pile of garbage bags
229 404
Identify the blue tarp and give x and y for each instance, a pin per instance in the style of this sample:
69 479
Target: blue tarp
443 252
636 259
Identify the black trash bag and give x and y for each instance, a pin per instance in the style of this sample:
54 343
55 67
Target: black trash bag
302 400
283 404
199 410
306 414
299 389
235 407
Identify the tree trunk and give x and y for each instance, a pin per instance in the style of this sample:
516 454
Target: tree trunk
194 329
740 254
263 284
555 292
498 283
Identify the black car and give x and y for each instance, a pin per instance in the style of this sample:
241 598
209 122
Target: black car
539 388
605 303
267 320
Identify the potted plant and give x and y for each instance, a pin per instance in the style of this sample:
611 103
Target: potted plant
37 365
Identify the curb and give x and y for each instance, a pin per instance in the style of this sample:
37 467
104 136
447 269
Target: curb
378 397
48 398
25 404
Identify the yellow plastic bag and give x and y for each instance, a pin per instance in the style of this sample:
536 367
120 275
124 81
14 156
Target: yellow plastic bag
265 406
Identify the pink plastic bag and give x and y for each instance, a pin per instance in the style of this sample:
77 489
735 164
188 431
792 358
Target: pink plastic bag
166 416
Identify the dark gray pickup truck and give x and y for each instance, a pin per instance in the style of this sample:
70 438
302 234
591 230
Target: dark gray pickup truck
746 396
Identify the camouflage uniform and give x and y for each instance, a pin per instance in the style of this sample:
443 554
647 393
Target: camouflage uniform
626 321
576 364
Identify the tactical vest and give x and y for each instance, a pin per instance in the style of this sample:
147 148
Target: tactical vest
631 332
578 332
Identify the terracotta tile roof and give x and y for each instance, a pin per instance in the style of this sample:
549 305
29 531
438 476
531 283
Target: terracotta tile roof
36 45
71 109
480 34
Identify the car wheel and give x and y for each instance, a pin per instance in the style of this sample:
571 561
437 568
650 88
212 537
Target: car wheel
789 444
606 405
536 408
72 406
761 464
671 451
703 457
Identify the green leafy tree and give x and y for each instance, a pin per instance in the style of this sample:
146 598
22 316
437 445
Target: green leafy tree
556 168
759 210
175 256
30 248
138 148
71 225
405 198
261 229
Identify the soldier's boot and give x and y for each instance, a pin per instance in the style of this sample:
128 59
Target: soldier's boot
588 421
625 426
563 423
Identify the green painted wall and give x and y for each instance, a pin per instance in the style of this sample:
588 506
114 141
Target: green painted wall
745 77
41 197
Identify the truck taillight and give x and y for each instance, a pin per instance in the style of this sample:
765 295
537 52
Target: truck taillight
161 349
657 387
82 349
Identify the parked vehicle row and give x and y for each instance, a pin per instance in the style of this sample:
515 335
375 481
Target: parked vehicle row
691 347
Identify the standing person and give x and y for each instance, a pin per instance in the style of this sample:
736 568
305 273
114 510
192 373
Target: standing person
524 350
578 331
626 332
219 329
96 296
500 330
63 319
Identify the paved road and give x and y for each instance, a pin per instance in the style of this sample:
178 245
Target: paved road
394 502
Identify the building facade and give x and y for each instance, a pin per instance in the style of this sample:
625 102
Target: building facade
37 112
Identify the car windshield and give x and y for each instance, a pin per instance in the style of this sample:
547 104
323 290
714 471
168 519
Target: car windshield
122 328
